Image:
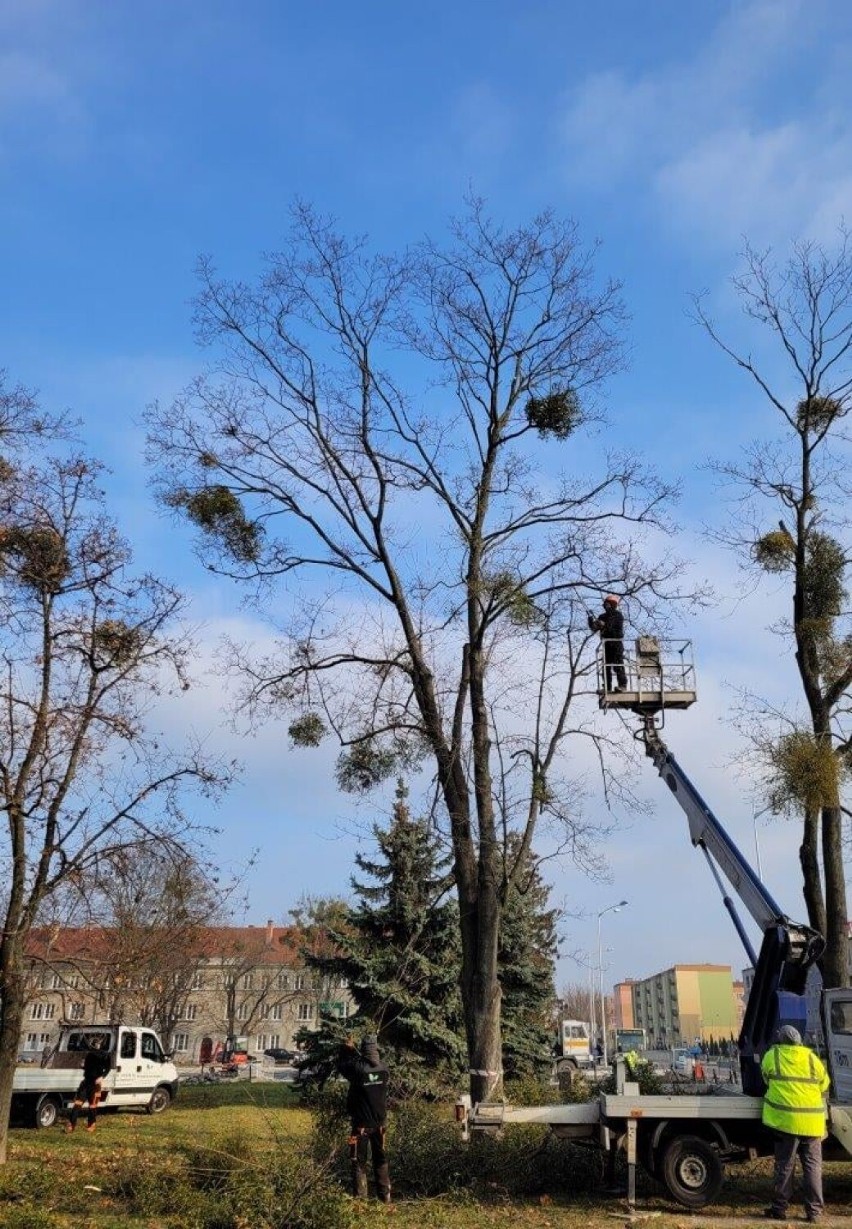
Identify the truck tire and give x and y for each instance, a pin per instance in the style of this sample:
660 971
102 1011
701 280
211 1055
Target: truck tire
161 1099
566 1064
692 1171
46 1112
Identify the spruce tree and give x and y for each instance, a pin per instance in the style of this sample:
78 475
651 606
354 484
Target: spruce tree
527 953
398 951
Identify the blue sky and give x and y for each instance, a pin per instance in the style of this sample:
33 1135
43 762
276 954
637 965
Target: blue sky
135 136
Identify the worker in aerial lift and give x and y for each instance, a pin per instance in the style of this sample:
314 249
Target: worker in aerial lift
610 625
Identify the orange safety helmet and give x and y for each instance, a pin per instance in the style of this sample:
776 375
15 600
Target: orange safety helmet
610 597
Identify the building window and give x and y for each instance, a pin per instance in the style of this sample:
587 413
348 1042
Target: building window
248 981
300 981
31 1042
43 1011
181 1042
283 981
78 1010
197 981
306 1011
56 982
274 1041
265 1012
242 1012
276 1012
190 1011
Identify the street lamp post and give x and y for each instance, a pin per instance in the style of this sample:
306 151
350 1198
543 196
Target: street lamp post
592 1009
755 816
609 909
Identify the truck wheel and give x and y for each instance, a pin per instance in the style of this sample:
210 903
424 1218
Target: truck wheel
46 1113
161 1099
692 1171
566 1064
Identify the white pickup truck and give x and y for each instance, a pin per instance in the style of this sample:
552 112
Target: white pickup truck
686 1141
141 1075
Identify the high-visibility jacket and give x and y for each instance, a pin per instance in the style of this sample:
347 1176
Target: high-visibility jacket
796 1084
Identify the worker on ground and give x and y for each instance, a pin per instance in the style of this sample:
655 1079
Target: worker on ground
95 1067
631 1063
367 1106
794 1107
610 625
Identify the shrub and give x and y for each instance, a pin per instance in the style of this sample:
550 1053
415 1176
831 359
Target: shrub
28 1218
428 1157
277 1187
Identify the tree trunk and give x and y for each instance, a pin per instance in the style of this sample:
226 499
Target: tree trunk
11 1023
811 880
836 959
481 997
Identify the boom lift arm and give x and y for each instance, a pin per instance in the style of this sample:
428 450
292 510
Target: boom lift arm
788 950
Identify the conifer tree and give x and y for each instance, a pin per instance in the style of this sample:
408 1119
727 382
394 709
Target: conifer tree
398 951
526 959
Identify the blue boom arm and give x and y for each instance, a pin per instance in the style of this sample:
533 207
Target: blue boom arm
788 949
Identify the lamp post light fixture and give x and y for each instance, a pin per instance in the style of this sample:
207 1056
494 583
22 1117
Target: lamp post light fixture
609 909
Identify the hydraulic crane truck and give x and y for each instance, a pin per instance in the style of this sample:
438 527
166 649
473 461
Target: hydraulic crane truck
685 1141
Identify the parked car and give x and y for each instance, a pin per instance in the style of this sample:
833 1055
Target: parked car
282 1056
683 1062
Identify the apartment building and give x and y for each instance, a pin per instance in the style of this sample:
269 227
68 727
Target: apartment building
247 982
622 1003
685 1004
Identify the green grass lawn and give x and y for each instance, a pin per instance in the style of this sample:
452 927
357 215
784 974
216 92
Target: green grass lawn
116 1177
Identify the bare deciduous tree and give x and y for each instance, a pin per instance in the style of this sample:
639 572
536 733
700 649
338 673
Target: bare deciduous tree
436 564
153 908
575 999
84 648
792 521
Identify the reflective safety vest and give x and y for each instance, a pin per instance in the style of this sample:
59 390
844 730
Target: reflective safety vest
796 1084
631 1062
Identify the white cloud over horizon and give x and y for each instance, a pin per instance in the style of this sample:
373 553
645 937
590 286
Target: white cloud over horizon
713 164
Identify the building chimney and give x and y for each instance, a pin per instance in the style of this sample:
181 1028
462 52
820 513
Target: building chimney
269 929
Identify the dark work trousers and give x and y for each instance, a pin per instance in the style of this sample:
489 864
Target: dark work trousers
616 675
89 1090
809 1148
362 1141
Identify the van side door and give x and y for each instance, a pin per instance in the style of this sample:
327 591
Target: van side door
129 1082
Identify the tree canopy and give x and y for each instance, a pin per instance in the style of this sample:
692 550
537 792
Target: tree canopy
379 443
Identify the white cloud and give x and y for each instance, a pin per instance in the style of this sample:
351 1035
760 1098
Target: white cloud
712 138
46 57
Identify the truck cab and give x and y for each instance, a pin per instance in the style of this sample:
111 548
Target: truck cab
573 1045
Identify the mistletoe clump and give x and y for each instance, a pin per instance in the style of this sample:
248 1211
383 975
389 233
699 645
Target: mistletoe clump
556 414
806 773
38 554
307 730
218 512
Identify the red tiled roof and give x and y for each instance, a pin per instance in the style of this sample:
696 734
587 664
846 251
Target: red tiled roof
270 944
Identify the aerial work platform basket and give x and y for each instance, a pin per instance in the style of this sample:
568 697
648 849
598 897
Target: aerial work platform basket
659 674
